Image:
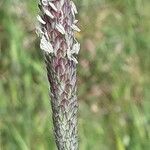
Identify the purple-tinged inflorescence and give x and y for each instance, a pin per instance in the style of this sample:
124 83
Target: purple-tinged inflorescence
57 24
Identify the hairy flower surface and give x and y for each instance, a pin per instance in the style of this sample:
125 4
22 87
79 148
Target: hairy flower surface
57 26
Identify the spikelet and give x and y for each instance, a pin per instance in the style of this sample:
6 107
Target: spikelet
57 26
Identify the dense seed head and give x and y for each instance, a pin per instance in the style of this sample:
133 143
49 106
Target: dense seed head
57 26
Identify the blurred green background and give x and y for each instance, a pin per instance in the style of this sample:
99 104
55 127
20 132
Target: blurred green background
113 77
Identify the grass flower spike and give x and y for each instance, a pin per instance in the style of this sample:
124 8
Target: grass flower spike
57 24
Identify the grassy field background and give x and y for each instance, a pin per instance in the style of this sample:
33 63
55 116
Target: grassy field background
113 77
